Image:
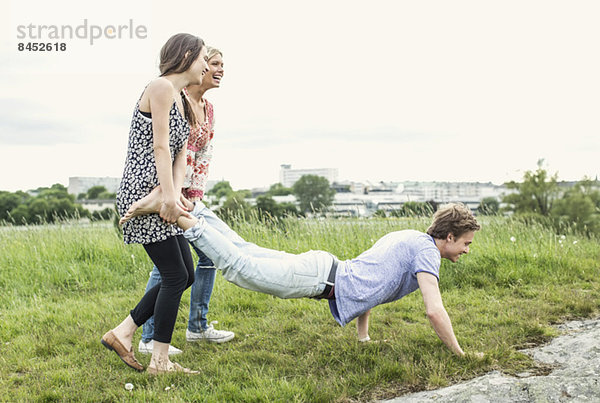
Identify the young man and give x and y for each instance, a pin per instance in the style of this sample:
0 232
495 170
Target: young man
398 264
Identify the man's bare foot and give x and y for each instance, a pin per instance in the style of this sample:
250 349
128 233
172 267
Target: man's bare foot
148 205
157 367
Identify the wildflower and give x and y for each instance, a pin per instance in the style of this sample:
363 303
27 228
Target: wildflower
560 241
535 255
574 242
129 386
168 388
563 237
513 239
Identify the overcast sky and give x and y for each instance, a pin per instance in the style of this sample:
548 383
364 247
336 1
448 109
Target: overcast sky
381 90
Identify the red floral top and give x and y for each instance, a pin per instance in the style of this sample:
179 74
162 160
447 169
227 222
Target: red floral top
199 155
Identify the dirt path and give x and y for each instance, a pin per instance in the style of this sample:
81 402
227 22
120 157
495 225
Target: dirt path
576 376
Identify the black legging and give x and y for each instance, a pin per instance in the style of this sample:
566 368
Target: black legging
174 261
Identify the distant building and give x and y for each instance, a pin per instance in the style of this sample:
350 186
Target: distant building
444 192
289 176
97 205
382 187
81 184
365 198
389 196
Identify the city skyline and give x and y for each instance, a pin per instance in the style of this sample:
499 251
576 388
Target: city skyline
397 91
213 181
79 185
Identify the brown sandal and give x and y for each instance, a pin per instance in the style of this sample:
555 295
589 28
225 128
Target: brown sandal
110 341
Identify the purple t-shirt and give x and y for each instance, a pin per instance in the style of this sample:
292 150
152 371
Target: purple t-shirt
384 273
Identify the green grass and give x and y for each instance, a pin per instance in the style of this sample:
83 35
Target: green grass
63 286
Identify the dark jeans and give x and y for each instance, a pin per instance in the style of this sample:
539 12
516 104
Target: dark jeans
204 280
174 261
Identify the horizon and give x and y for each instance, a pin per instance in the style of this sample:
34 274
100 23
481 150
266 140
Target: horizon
214 181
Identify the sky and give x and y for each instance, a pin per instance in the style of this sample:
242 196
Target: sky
382 90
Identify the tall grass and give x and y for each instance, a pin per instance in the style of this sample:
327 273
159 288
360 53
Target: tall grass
64 285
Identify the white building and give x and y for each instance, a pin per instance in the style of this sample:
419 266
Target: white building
389 196
97 205
289 176
445 192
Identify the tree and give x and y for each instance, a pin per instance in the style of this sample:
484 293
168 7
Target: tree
102 215
95 191
107 195
267 206
221 189
49 204
20 215
535 194
10 201
579 208
288 209
39 211
59 188
277 189
313 193
488 206
235 207
244 193
589 188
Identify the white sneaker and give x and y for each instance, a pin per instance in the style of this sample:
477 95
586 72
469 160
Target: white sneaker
210 334
146 348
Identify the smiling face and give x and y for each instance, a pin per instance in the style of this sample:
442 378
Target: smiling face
199 68
213 78
453 247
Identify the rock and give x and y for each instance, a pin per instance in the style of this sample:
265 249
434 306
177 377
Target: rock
576 378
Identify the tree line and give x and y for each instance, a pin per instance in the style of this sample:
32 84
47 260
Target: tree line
48 205
313 194
539 198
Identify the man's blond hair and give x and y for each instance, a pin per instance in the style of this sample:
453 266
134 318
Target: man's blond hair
455 219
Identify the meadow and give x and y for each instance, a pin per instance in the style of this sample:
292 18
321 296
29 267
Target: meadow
62 286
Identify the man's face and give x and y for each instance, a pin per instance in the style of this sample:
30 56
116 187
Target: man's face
454 247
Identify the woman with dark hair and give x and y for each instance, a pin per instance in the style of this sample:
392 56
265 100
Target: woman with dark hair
199 156
156 156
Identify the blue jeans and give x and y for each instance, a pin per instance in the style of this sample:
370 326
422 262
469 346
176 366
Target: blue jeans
202 287
247 265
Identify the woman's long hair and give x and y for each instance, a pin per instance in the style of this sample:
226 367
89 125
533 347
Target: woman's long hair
173 60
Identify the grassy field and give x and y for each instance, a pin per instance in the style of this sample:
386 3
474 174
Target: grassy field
63 286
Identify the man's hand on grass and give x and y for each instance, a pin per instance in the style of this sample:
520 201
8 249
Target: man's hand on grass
478 355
